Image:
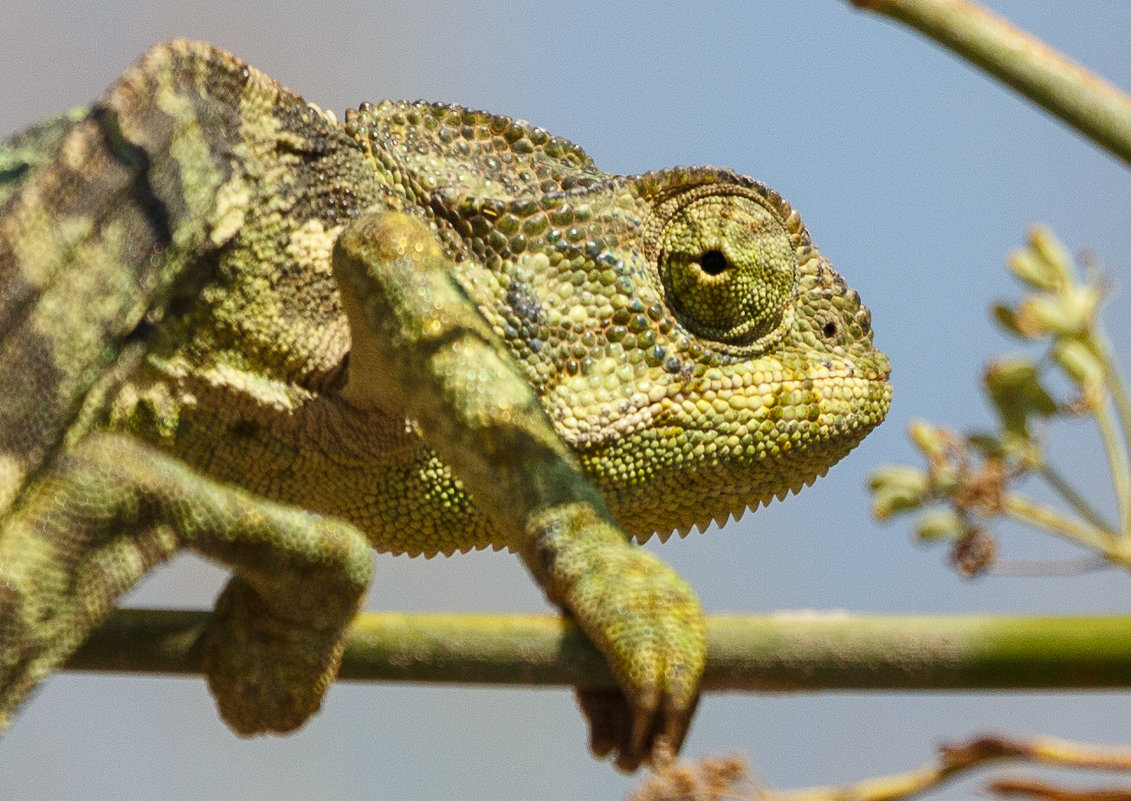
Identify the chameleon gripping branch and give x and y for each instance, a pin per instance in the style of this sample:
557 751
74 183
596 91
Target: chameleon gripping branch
233 323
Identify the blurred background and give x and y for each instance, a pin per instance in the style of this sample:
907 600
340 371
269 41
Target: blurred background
915 176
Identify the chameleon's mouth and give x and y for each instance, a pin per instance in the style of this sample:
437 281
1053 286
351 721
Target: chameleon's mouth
842 398
684 473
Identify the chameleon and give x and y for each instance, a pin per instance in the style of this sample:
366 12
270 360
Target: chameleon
233 323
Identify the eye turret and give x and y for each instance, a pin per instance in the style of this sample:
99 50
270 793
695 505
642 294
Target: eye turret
727 265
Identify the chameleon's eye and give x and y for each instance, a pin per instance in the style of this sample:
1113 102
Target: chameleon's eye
728 267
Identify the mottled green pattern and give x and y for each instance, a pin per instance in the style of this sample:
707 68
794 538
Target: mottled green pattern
234 324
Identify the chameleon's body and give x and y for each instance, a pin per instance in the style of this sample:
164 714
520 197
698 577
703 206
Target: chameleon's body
231 323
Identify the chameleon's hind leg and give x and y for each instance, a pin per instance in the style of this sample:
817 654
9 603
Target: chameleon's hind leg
110 509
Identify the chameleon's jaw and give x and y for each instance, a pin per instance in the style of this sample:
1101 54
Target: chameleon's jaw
719 482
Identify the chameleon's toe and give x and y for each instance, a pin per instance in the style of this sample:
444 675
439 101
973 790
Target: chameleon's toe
266 674
633 736
607 713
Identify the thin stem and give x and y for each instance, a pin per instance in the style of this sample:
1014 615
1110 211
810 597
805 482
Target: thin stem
1117 458
1116 383
729 778
957 759
1074 499
1091 105
1052 521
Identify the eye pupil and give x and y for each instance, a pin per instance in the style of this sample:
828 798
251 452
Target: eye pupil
829 330
713 262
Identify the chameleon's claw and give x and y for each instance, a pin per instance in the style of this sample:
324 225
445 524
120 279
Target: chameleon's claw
634 736
607 713
667 745
644 722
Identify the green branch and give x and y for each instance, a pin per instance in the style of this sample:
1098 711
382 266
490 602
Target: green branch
1091 105
782 652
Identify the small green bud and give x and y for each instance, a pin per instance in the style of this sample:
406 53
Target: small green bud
1051 251
1006 318
1032 269
1015 389
1010 372
1068 313
1080 363
940 525
902 476
886 504
897 488
929 438
1015 385
1038 317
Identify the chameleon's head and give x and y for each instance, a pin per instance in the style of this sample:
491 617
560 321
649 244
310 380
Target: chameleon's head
687 339
681 330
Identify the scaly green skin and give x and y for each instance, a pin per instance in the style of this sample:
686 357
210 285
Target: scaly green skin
234 324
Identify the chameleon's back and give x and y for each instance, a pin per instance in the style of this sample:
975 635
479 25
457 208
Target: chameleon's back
112 221
185 221
64 323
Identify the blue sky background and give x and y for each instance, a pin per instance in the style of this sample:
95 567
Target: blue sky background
915 176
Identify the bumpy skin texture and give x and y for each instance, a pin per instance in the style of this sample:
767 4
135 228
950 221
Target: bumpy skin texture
234 324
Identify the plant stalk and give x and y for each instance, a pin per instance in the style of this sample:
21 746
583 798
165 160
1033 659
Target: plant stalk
1098 109
780 652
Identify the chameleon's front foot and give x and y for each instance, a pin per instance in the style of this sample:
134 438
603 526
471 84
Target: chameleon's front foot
419 344
646 621
653 638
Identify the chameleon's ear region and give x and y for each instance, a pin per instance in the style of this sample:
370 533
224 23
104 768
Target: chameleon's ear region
726 260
